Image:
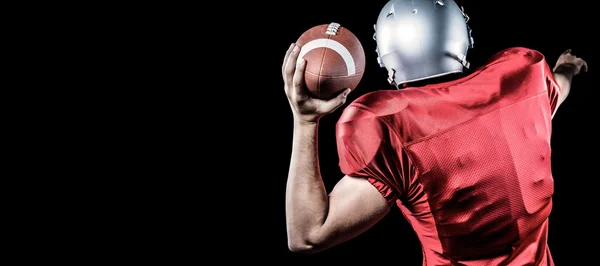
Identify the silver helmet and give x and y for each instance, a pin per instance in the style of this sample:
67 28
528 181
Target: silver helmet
421 39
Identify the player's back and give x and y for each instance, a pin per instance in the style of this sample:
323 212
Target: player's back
476 180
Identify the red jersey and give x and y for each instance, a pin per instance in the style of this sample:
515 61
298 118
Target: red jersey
466 161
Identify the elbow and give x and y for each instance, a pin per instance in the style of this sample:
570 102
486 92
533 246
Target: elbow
303 247
299 248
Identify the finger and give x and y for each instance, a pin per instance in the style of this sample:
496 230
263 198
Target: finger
584 66
290 65
568 51
285 58
298 79
332 104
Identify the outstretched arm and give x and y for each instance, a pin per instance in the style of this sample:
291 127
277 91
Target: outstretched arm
566 67
316 221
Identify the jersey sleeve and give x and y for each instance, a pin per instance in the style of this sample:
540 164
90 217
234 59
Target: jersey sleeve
368 149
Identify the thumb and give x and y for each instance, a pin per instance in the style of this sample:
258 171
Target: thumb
341 98
337 101
344 95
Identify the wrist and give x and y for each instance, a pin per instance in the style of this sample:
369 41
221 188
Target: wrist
303 120
567 69
299 122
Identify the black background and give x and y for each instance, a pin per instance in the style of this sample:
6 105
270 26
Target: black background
212 129
550 28
192 145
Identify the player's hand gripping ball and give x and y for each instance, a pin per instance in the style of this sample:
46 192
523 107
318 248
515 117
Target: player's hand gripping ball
335 60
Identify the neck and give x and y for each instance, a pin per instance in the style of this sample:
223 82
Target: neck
430 81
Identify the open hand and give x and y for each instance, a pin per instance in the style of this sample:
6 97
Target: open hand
570 62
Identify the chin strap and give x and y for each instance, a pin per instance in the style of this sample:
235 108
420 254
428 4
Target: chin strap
461 57
392 76
463 60
467 18
391 72
379 61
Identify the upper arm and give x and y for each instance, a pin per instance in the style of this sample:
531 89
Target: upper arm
557 86
558 89
374 167
355 205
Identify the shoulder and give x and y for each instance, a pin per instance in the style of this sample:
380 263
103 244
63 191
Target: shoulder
517 54
375 105
514 62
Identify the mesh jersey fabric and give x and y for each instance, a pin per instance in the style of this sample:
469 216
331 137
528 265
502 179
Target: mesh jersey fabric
466 161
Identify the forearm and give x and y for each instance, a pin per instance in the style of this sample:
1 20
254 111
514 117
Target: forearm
563 75
306 196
